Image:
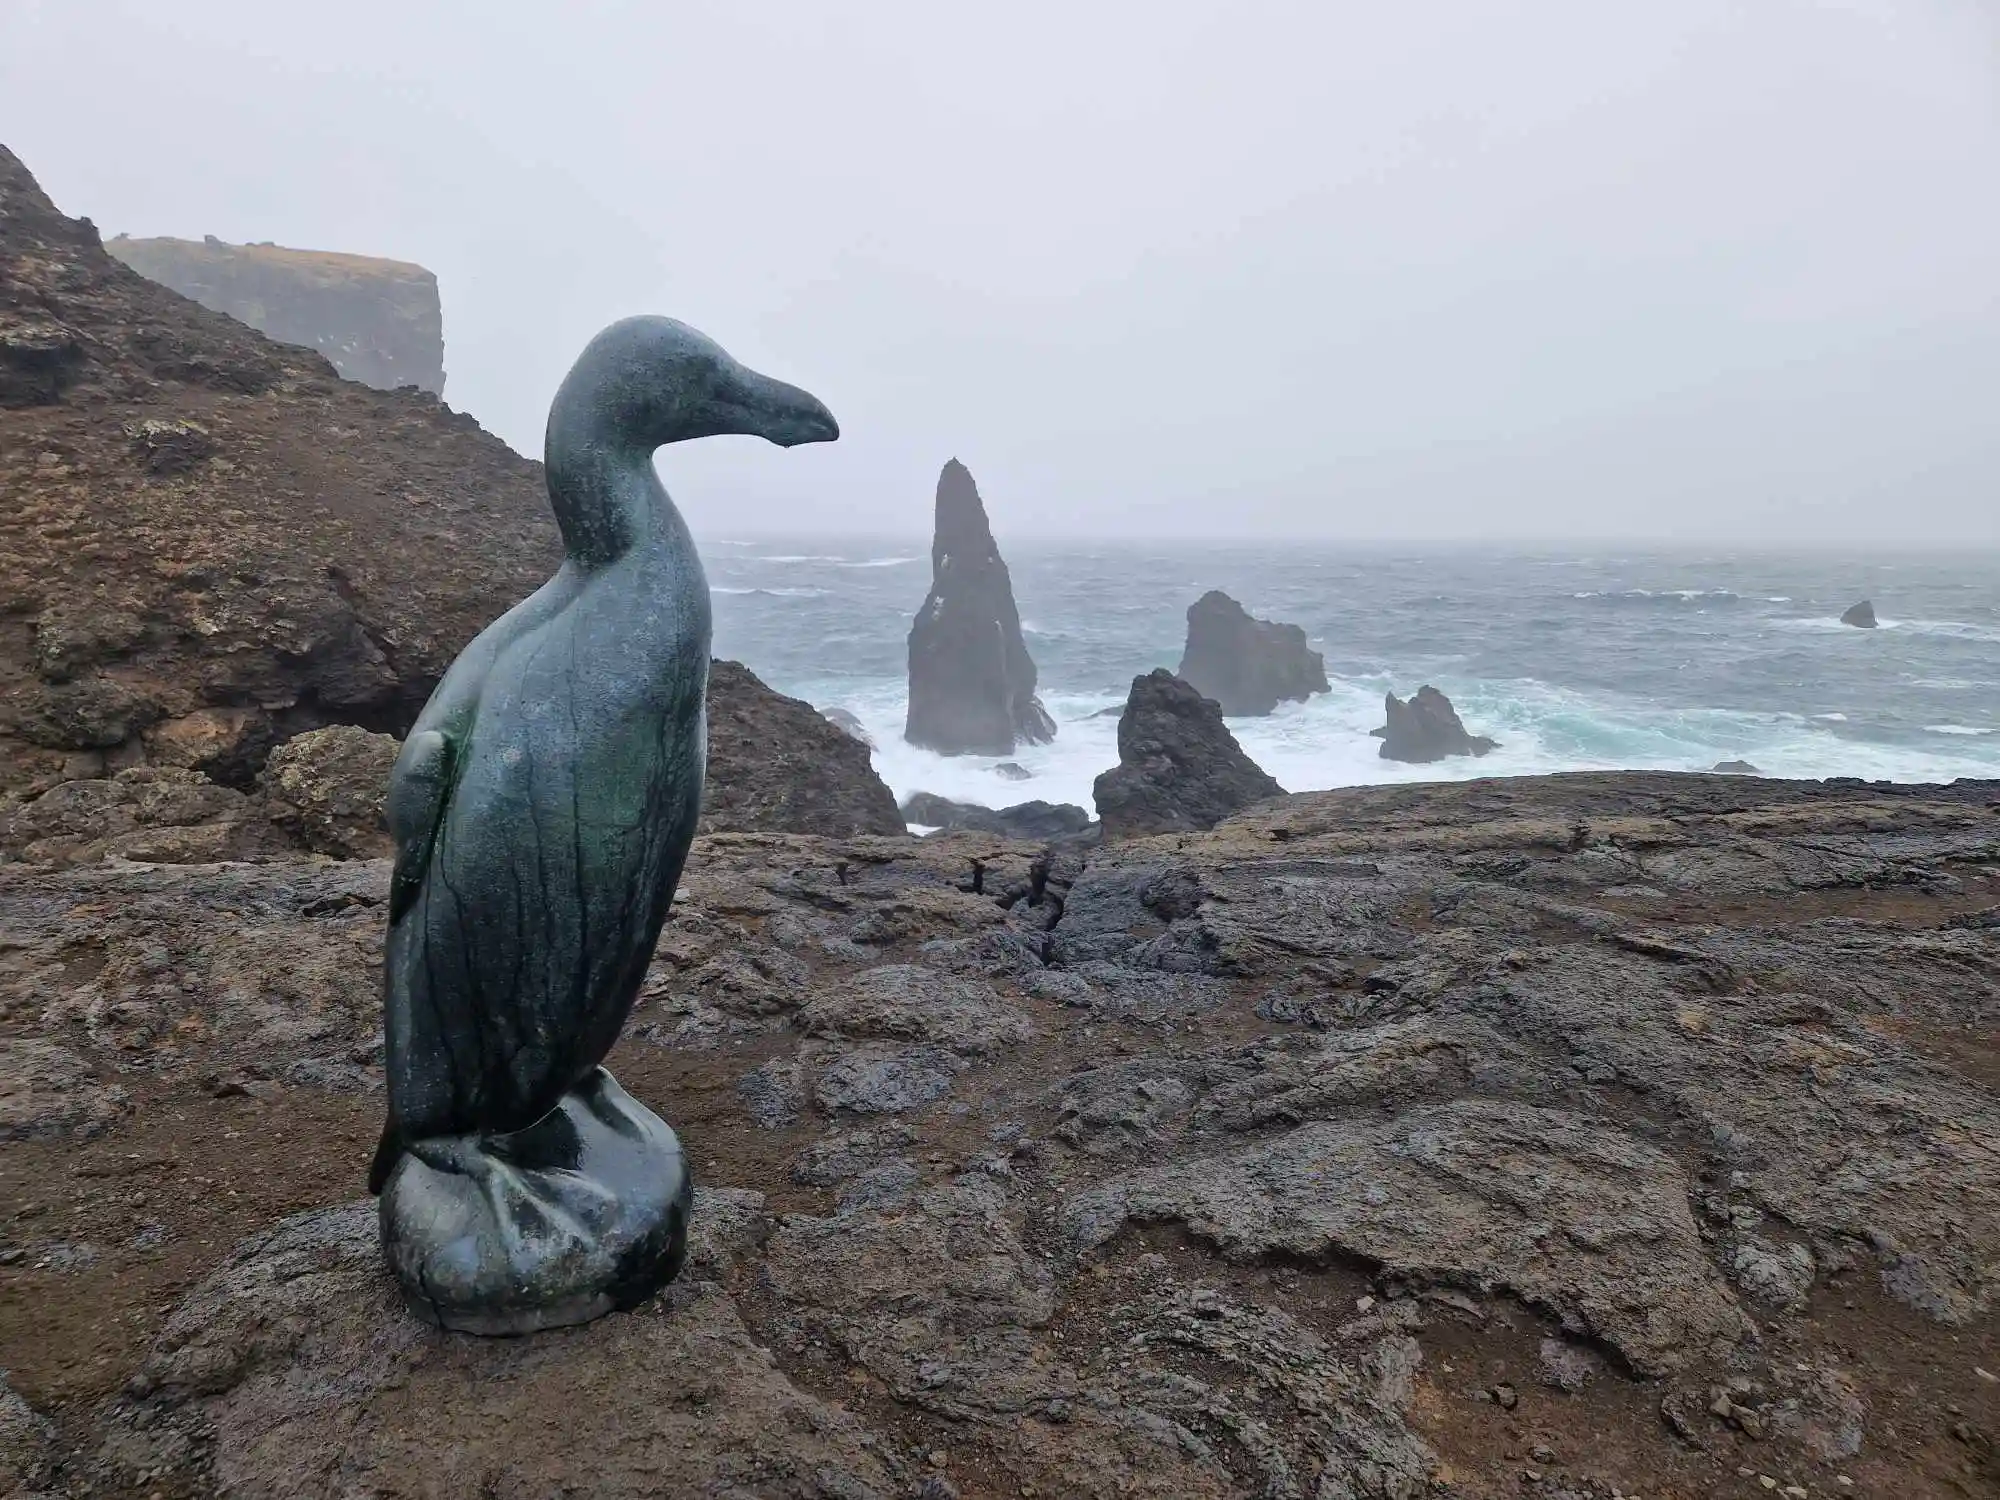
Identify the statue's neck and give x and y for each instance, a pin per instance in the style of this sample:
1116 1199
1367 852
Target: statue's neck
606 497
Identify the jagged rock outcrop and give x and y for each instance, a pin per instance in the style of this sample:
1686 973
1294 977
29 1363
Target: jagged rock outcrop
972 683
1861 615
1179 768
1248 666
328 788
377 321
210 541
1426 728
777 765
1037 820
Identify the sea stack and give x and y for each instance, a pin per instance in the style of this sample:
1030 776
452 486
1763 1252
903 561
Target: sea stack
1861 615
972 685
1426 728
1179 768
1248 666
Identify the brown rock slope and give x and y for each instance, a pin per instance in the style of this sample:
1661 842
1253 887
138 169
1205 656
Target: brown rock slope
209 541
1570 1136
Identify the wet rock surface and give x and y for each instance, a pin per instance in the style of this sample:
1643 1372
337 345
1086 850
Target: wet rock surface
1247 665
1023 820
1860 615
1179 768
1631 1131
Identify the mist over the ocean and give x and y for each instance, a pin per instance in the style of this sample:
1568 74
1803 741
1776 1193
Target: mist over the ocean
1602 659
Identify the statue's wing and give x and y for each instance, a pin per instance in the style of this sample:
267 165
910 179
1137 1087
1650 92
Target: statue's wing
419 792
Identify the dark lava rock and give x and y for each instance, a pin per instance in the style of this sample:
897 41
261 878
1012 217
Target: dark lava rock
775 765
972 684
1426 728
1861 615
1179 768
1735 768
1024 820
1249 666
1007 770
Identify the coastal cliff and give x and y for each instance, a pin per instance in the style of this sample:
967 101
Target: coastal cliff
377 321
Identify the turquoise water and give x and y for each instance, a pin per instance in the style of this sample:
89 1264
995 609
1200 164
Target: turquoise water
1595 660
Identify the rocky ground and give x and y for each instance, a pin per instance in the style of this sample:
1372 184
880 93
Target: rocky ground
1583 1136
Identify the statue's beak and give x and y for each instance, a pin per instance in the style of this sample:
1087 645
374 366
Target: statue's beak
780 413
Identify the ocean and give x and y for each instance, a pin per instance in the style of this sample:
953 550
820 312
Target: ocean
1599 660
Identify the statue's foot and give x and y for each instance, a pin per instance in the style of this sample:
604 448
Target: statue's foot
584 1211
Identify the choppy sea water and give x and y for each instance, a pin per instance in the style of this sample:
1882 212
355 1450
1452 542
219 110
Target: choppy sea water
1605 660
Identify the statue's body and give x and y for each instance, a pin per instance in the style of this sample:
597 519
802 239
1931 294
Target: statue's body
542 809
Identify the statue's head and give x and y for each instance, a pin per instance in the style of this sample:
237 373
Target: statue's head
650 381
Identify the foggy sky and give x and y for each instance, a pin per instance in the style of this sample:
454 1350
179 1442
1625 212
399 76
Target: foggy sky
1711 270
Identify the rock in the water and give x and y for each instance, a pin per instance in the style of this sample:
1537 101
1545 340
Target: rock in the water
1861 615
1426 728
1735 768
845 721
1179 768
377 321
972 683
777 765
1024 820
328 787
1008 770
1247 665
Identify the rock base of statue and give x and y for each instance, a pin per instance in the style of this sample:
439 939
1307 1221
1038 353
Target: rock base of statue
583 1212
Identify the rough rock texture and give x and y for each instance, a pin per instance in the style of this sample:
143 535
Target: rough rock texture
1861 615
154 814
1179 768
377 321
210 541
1629 1130
328 787
776 764
972 683
1023 820
1249 666
1426 728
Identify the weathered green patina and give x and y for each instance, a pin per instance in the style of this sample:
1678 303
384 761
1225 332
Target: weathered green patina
542 809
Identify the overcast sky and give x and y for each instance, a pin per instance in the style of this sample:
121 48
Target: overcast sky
1704 269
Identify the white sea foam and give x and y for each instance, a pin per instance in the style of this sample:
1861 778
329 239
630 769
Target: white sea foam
788 593
1958 729
879 562
1325 742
